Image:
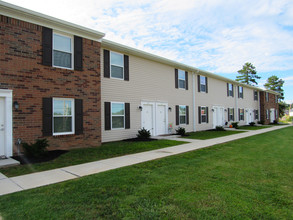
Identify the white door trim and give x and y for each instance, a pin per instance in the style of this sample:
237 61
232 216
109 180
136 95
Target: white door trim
153 119
215 119
7 95
166 117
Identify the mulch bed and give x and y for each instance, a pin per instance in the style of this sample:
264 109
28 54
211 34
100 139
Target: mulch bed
51 155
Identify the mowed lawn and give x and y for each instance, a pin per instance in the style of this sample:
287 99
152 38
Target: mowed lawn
250 178
204 135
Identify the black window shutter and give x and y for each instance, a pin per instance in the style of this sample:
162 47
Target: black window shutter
77 53
242 92
233 115
47 41
243 115
228 114
206 84
186 80
187 115
126 68
106 63
232 90
207 110
78 116
199 115
238 92
47 116
239 114
198 82
107 116
177 114
127 115
227 89
176 78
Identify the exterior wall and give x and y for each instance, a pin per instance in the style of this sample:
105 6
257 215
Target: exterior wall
21 71
264 105
148 82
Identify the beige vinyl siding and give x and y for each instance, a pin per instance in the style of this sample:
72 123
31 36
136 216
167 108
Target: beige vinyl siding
148 82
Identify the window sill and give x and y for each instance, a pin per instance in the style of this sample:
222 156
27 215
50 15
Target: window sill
62 135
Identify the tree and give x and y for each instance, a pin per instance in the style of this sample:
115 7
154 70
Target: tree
247 74
275 84
282 108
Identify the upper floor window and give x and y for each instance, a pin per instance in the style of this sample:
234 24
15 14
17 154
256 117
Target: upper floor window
63 116
202 83
240 92
255 95
117 115
230 90
116 65
62 51
276 98
181 79
267 97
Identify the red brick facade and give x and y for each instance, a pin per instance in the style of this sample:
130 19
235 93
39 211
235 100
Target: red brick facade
21 71
268 105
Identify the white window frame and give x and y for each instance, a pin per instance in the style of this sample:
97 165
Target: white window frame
241 92
182 114
72 116
117 115
181 79
230 91
231 110
241 118
113 77
200 84
72 49
205 107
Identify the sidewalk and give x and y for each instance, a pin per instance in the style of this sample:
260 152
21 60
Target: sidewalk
29 181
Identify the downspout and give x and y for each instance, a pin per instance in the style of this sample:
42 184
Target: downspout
193 100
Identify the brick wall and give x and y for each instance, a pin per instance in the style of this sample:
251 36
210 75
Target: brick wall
21 70
264 105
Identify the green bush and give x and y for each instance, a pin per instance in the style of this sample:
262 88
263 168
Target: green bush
143 134
235 125
252 123
261 122
36 150
220 128
181 131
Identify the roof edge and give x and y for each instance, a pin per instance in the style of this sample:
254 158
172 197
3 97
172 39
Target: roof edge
27 15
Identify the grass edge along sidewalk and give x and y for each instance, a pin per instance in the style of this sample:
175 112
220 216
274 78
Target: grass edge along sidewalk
246 178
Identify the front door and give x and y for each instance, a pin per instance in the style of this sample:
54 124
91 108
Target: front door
161 119
2 126
218 116
148 117
249 116
272 115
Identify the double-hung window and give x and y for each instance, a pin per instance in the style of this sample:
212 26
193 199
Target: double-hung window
62 51
267 114
116 65
118 115
182 114
256 115
181 79
202 83
241 114
203 114
230 91
267 97
63 116
240 90
231 114
276 99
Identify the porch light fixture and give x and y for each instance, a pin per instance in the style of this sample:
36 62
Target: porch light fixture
170 109
225 109
246 110
213 110
16 105
140 108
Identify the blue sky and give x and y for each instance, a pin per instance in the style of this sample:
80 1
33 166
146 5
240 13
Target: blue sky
214 35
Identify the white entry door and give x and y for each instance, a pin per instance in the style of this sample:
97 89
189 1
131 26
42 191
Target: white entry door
249 116
2 126
161 119
218 116
148 117
272 115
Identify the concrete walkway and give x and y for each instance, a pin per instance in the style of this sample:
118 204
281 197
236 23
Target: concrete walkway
29 181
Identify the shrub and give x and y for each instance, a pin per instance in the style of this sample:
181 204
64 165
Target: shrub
36 150
143 134
235 125
252 123
275 122
180 131
261 122
220 128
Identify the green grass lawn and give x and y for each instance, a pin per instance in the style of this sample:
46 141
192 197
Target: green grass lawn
204 135
248 127
83 155
250 178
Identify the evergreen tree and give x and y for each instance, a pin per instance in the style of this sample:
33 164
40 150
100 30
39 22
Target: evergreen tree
275 84
247 74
